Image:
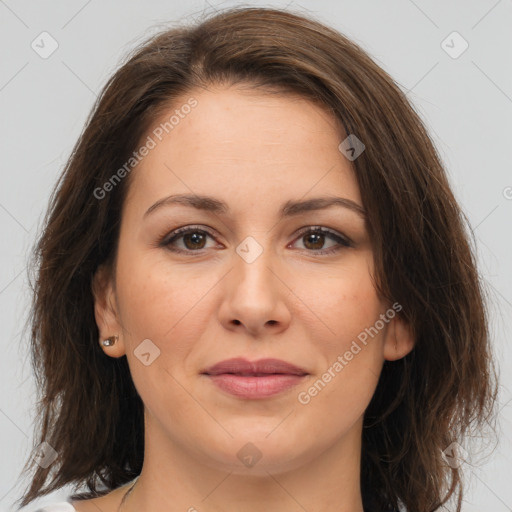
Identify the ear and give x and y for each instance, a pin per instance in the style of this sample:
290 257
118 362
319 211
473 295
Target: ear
105 311
399 339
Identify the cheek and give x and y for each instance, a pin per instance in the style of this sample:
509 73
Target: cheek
351 360
348 310
160 303
151 294
165 303
344 300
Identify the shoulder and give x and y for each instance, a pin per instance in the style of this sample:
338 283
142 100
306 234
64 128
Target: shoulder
106 503
61 506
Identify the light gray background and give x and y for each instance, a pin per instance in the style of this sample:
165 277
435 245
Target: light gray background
465 101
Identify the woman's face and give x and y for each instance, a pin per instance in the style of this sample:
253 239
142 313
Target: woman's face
253 278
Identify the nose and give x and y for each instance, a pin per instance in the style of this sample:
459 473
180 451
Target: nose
255 296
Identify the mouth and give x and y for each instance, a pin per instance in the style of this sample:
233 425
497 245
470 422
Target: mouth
254 380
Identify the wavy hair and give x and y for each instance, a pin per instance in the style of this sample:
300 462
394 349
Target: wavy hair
89 411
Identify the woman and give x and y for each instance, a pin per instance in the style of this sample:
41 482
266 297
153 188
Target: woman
256 290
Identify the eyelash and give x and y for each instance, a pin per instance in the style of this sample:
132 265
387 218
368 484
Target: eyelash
168 239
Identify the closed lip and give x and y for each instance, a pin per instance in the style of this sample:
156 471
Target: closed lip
241 366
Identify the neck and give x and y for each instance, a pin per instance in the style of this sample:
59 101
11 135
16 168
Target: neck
126 494
172 479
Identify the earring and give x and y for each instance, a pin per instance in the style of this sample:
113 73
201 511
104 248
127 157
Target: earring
110 341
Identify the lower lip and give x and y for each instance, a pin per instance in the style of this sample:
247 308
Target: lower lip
255 387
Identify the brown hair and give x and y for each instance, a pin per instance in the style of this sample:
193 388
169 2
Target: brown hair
89 410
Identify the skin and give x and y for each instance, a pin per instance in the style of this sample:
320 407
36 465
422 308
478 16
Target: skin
253 151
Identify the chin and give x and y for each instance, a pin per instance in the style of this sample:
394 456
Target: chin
259 454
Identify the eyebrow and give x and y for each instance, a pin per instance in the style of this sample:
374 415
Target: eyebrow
288 209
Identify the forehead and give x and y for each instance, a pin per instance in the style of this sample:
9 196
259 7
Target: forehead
244 145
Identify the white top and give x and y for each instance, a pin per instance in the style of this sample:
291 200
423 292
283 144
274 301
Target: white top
61 506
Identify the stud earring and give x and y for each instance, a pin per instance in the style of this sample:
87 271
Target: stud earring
110 341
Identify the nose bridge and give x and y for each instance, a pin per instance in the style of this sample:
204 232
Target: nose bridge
253 298
254 261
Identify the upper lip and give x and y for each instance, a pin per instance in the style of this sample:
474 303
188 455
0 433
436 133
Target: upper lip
241 366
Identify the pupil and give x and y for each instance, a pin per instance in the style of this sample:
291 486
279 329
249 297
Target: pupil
319 240
195 237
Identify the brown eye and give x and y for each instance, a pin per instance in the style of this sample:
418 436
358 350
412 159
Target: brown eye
193 239
314 240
